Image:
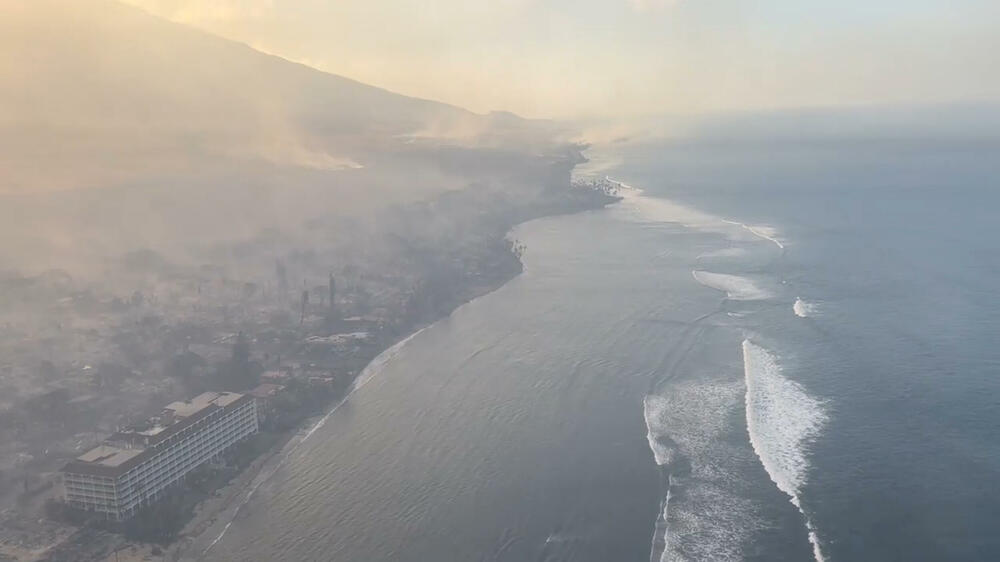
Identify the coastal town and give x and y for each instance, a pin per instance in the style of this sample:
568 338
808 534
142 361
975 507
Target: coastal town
113 431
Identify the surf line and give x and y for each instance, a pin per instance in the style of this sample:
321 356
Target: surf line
366 375
781 420
659 550
756 232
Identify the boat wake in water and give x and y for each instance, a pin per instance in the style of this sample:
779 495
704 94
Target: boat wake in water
781 420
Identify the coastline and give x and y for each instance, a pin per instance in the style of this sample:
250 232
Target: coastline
213 515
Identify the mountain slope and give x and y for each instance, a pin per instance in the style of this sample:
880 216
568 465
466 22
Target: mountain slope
115 93
122 131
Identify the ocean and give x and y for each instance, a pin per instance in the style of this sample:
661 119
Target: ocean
761 353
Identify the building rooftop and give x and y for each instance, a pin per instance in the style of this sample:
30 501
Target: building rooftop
126 447
108 455
202 401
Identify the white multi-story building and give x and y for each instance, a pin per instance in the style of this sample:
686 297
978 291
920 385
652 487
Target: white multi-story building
136 465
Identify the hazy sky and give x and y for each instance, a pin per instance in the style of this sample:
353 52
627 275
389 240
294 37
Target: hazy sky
573 58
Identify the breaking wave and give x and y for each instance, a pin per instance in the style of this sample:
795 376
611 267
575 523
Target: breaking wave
736 287
781 420
760 231
657 209
653 409
804 309
704 513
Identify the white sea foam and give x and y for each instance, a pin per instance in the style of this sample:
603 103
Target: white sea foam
768 233
781 419
736 287
654 409
804 309
660 210
712 518
657 209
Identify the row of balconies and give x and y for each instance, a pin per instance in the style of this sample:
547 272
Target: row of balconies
84 490
209 419
129 501
191 446
92 486
120 505
83 486
90 506
152 464
91 497
180 466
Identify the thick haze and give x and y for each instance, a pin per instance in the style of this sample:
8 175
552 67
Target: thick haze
630 57
198 193
122 129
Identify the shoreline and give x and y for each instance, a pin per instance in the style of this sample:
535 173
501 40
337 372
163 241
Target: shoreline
210 513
